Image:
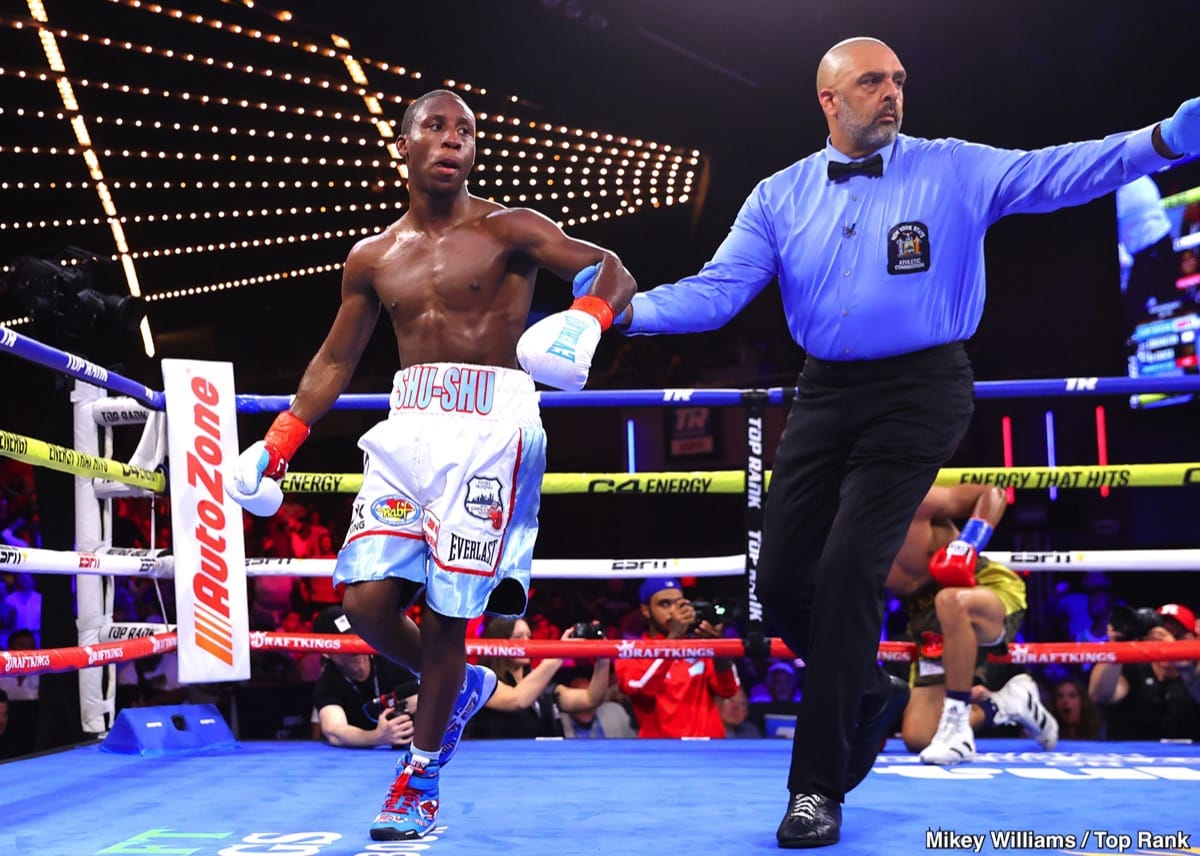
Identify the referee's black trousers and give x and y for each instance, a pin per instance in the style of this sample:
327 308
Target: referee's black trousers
863 443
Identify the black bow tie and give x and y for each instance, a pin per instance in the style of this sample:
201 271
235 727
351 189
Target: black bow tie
838 171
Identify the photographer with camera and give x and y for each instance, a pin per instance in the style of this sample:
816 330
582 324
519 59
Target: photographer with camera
1149 701
677 697
361 700
528 700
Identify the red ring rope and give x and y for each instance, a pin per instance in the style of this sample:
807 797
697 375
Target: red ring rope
67 659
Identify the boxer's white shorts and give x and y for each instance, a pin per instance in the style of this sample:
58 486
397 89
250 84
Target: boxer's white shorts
451 487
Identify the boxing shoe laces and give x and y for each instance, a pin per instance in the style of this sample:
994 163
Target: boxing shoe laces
479 682
1017 703
954 742
410 808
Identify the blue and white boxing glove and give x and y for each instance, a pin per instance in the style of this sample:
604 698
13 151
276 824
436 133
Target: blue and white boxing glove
582 285
254 482
1181 133
558 350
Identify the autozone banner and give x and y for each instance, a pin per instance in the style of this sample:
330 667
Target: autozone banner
210 555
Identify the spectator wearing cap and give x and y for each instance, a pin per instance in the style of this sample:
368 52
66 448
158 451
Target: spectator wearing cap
1151 701
1180 620
676 697
1183 625
780 685
361 700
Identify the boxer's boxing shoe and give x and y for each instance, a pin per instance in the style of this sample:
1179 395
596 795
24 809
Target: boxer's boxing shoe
479 682
954 742
410 808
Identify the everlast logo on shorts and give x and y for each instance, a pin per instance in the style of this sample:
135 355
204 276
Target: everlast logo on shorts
464 549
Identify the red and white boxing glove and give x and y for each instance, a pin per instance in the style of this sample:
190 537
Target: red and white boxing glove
558 350
954 564
254 484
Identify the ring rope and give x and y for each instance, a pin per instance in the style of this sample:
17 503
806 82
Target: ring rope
734 481
122 562
1036 388
84 656
51 456
1026 652
63 459
77 367
80 657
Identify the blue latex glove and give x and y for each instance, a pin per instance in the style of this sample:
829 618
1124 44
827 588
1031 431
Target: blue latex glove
1181 132
582 283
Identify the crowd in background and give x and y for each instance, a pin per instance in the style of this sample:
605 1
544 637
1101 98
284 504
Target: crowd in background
1076 609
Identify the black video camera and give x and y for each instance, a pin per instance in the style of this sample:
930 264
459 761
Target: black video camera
713 611
588 630
390 704
1133 624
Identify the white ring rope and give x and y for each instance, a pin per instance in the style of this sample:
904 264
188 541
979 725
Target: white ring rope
122 562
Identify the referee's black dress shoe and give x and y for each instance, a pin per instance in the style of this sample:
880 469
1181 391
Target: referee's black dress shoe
871 732
812 820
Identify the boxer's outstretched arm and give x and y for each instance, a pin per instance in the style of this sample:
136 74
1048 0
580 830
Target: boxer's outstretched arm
254 479
329 372
542 240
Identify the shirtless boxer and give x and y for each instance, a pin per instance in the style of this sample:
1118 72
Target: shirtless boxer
452 478
960 607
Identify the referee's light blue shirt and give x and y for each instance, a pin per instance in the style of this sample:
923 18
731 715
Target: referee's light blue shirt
874 267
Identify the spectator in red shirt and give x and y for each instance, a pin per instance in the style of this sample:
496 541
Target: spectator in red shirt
676 697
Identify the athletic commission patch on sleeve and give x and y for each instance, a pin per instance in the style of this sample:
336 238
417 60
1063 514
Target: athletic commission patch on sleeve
908 248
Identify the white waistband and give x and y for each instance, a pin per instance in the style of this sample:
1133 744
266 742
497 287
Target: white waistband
488 392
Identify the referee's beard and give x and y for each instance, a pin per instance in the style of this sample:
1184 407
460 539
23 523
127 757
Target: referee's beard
866 134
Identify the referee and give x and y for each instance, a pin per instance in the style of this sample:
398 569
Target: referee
877 243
